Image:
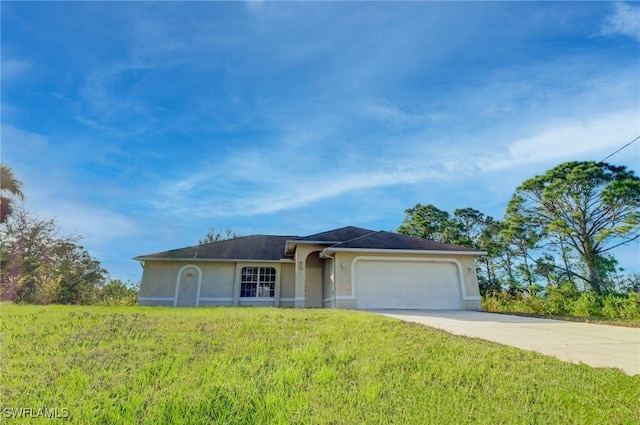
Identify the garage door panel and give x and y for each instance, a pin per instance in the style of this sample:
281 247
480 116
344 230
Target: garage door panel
407 284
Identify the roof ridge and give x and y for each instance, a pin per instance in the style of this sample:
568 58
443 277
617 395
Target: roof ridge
336 230
229 239
360 237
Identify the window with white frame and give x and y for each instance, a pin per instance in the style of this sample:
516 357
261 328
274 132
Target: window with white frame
257 282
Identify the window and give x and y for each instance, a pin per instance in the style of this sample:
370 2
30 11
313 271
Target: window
257 282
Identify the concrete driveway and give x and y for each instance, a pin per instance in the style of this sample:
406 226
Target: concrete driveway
595 345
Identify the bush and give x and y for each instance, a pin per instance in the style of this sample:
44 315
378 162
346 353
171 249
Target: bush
492 302
588 305
631 306
560 298
118 293
513 303
565 300
612 306
535 305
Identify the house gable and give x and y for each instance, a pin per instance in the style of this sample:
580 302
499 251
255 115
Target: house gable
328 238
338 235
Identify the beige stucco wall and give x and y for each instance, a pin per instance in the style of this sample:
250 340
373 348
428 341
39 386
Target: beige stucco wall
287 283
159 278
219 285
218 280
327 283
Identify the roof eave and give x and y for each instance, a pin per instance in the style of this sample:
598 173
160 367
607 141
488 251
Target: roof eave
215 260
291 244
405 251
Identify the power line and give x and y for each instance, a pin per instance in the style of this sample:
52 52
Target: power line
609 156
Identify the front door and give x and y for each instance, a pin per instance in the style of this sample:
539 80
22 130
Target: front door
313 280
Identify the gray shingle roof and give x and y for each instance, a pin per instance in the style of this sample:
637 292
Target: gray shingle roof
388 240
338 235
257 247
272 248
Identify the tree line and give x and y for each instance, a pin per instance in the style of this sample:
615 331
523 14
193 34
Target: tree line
38 265
559 229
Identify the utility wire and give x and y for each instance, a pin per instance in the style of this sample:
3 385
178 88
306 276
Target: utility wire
609 156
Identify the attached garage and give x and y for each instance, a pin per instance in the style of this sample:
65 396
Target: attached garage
407 284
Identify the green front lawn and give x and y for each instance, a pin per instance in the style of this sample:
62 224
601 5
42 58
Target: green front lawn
263 366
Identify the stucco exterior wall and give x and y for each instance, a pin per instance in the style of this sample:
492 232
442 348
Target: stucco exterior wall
287 283
327 284
218 280
159 279
219 284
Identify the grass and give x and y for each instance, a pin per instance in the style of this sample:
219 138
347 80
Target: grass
113 365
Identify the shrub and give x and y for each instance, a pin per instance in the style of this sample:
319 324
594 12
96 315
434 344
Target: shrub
513 303
492 302
118 293
534 304
631 306
565 300
612 306
588 305
560 298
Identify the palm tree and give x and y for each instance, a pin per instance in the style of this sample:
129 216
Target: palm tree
10 187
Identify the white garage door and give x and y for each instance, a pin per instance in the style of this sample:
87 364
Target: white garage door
407 285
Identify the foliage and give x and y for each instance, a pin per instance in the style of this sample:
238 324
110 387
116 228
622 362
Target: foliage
132 365
40 266
118 293
214 235
585 206
561 297
10 188
558 229
587 305
565 300
467 227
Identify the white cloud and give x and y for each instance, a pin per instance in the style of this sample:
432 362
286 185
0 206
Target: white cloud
261 182
13 68
21 142
625 21
98 225
253 5
572 139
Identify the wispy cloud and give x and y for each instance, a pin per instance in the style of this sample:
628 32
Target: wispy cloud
13 68
108 100
262 182
98 225
625 21
569 139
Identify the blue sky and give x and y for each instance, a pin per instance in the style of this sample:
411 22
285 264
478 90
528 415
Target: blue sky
141 125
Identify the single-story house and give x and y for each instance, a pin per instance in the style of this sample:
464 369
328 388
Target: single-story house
349 268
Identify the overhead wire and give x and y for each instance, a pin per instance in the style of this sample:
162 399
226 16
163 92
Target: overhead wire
628 144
